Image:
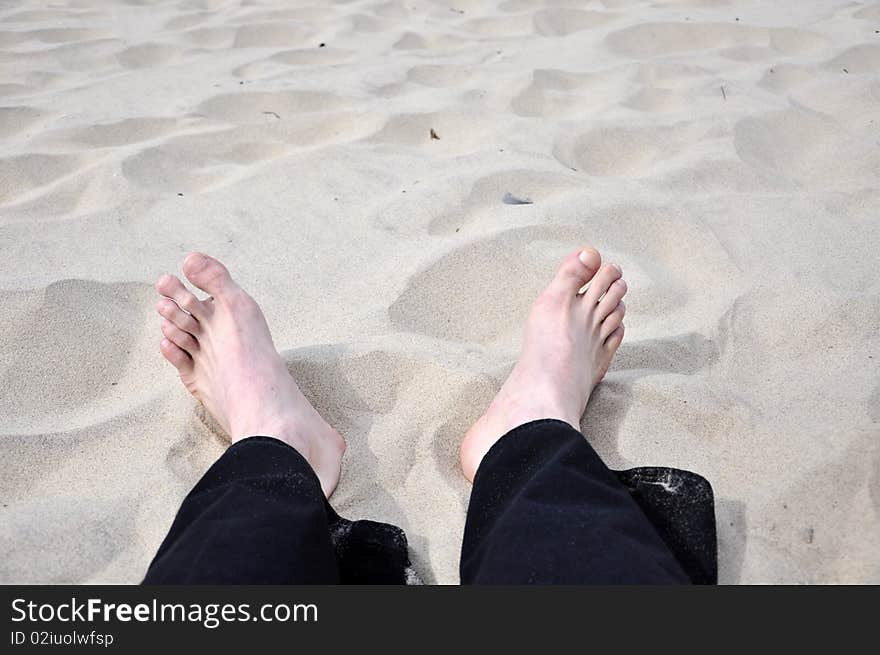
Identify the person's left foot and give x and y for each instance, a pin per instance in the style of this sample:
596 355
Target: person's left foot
569 342
222 349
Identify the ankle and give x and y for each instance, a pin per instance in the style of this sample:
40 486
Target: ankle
520 408
281 430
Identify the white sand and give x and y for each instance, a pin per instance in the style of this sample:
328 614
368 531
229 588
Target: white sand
725 154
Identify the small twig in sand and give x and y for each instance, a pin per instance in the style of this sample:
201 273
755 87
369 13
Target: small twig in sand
272 113
723 94
434 135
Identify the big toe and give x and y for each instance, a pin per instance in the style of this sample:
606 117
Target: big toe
207 274
576 270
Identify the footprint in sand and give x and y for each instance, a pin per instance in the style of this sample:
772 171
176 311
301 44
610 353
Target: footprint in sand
657 99
805 147
363 24
252 106
193 163
858 60
492 192
55 35
441 76
649 40
77 58
279 62
197 162
50 15
36 530
438 42
22 175
501 26
560 94
120 133
502 275
564 21
782 78
147 55
304 14
187 21
273 35
625 151
57 325
213 38
454 132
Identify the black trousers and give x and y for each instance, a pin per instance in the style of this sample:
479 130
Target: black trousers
544 509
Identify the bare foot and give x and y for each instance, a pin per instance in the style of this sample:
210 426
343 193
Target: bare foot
568 345
222 349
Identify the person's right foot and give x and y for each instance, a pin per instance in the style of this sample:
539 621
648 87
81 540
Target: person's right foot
222 349
569 342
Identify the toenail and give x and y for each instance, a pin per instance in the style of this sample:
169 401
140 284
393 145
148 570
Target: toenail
584 256
193 258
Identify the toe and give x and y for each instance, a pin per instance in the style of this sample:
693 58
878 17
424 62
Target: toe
575 271
613 321
168 309
610 300
614 339
171 287
600 284
176 357
181 339
207 274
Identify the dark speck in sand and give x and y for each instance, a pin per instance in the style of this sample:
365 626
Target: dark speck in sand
272 113
180 194
457 229
845 71
510 199
434 135
113 384
322 45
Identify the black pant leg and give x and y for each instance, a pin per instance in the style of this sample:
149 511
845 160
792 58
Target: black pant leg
258 516
545 509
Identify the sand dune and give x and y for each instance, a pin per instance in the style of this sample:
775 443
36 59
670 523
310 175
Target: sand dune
724 153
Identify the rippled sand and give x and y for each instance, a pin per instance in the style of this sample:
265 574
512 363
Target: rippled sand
724 153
